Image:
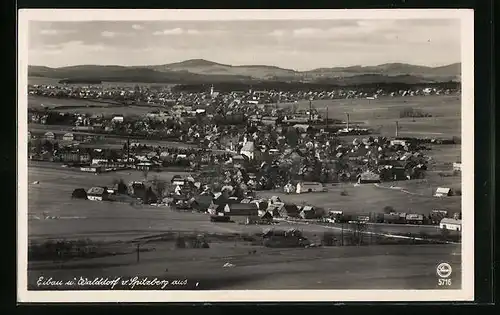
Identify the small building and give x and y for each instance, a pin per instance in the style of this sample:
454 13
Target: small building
398 142
68 137
97 194
308 212
248 150
289 211
457 166
413 218
49 136
249 212
368 177
303 187
117 119
302 128
443 192
451 224
144 166
266 217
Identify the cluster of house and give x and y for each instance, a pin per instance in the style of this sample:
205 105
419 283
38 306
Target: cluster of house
226 206
275 158
163 96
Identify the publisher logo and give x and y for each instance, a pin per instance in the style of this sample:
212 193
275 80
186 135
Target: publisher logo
444 270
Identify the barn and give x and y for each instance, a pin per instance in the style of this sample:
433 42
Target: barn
247 212
451 224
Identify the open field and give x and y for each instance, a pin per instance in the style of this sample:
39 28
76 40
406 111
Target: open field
35 101
106 140
372 267
381 114
113 220
87 106
369 198
52 81
254 267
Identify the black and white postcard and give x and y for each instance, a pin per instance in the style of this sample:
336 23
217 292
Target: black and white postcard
234 155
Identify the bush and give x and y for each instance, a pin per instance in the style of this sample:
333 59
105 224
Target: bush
79 193
328 239
457 140
388 209
343 193
410 112
180 242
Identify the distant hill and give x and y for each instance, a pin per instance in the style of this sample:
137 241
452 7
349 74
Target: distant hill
447 72
201 66
204 71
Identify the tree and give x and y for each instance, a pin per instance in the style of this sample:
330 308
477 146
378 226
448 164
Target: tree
159 187
388 209
292 137
48 146
122 187
145 173
149 196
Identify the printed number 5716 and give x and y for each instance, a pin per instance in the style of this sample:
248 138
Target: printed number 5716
444 282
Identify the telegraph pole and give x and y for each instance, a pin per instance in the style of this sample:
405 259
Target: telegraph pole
310 110
326 127
128 152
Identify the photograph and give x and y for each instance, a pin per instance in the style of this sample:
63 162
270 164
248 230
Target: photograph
245 155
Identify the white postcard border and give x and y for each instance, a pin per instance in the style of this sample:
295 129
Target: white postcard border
467 35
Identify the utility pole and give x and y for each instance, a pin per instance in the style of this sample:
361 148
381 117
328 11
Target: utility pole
138 252
128 152
310 110
326 127
342 234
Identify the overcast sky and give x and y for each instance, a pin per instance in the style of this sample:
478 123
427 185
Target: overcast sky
299 44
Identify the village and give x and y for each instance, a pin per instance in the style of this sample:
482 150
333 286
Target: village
234 149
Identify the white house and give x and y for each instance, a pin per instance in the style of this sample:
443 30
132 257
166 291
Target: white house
398 142
68 137
443 192
309 187
97 194
451 224
118 119
49 136
248 150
